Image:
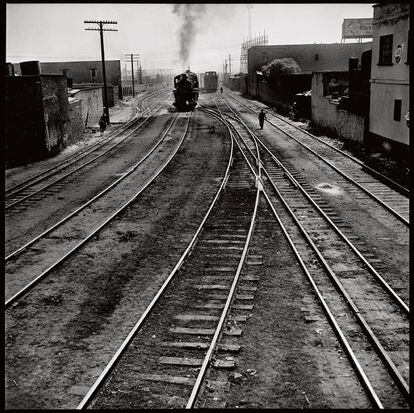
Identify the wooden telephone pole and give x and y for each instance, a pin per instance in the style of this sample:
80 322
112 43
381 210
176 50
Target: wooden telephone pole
134 57
101 30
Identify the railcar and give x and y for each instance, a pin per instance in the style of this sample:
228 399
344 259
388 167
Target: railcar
210 81
185 91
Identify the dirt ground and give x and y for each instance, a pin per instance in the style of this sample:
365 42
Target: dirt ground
61 336
286 361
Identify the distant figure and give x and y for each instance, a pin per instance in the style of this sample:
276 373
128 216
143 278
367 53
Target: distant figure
221 90
102 124
262 117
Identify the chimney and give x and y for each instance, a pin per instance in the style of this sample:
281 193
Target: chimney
9 69
30 68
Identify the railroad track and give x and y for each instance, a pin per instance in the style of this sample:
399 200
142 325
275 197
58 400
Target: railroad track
194 303
376 318
390 195
34 261
161 364
15 187
19 196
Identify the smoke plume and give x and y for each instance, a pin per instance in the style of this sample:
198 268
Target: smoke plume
189 16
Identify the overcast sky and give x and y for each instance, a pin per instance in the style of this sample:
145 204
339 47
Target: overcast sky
55 32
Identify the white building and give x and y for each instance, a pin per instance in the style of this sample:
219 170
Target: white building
389 94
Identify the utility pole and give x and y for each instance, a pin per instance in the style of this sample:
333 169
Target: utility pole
140 74
134 58
229 64
101 30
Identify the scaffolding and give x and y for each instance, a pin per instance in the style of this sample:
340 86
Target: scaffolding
260 40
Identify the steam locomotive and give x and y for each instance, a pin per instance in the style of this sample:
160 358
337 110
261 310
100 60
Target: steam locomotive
185 91
210 81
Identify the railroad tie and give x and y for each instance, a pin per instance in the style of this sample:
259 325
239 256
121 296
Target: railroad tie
247 288
211 287
167 379
244 297
247 307
230 348
251 262
210 306
220 269
181 361
193 331
224 241
224 364
196 317
250 278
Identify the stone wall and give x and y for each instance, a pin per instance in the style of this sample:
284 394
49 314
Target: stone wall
76 121
326 113
92 105
56 111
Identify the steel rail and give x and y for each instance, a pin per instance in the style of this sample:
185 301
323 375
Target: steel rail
373 196
402 305
389 364
33 283
62 221
67 162
399 188
116 357
213 343
398 379
256 145
344 342
85 164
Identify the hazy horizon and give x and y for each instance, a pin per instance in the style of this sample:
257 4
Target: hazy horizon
56 32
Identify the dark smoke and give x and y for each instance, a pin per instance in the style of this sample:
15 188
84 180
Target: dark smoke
190 16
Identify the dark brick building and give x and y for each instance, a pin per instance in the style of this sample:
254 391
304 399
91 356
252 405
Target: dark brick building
37 117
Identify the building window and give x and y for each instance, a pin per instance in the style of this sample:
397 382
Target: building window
316 57
397 110
93 73
385 50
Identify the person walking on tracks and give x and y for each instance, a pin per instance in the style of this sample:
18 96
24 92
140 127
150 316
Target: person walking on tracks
262 117
221 90
102 124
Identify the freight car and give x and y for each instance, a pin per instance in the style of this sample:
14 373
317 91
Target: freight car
185 91
210 81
